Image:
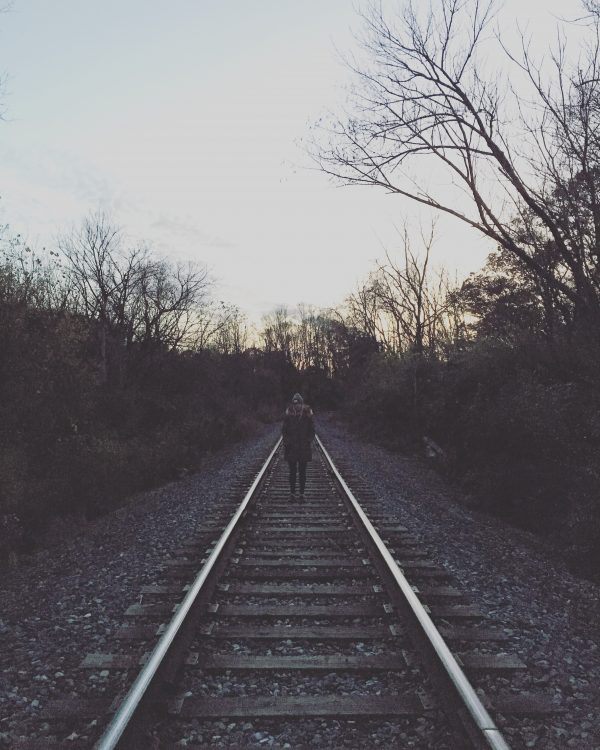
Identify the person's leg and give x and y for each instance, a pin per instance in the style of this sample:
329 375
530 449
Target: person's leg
292 465
302 472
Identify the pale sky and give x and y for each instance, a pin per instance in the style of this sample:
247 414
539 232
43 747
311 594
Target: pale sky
183 120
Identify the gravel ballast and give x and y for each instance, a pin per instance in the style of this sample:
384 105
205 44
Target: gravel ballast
67 601
515 581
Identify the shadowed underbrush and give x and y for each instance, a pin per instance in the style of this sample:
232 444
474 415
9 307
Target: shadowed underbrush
74 447
519 426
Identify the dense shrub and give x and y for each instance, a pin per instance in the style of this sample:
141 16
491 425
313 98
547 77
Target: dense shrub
70 445
521 430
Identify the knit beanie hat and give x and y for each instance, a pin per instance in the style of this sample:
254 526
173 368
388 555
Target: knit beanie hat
297 398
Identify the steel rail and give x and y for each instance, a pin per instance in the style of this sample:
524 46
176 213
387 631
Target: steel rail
490 735
139 689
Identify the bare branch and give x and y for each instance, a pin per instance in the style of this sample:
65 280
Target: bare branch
425 93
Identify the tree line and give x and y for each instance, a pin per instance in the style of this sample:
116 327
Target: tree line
118 370
503 369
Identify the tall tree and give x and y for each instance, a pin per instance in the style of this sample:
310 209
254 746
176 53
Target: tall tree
278 331
405 305
134 299
524 157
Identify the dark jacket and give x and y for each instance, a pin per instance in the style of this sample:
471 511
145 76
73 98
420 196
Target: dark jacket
298 431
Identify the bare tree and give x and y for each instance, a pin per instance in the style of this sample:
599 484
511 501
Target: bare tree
31 278
170 303
278 332
233 336
133 298
405 305
91 254
525 159
221 327
403 295
363 312
310 339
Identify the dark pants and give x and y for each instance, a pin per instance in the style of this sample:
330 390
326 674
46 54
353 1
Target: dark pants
298 467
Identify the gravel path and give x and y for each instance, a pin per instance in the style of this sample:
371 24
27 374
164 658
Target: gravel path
507 572
67 601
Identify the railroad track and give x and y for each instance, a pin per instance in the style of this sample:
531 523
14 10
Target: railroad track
318 622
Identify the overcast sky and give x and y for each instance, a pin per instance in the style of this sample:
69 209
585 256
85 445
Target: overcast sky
183 120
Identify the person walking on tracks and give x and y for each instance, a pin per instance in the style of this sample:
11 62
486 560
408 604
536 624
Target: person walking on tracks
298 431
